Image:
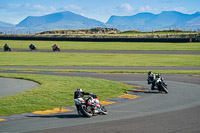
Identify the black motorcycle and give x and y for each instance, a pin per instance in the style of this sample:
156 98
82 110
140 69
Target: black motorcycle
32 47
55 49
158 83
6 48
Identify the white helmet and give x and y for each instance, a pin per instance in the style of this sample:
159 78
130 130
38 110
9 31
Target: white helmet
79 90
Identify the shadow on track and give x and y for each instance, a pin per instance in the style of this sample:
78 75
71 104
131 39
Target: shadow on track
147 92
57 116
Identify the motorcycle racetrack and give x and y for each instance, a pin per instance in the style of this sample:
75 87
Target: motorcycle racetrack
151 112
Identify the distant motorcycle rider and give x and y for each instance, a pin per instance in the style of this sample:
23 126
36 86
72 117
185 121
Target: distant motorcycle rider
79 93
7 47
32 46
55 46
151 79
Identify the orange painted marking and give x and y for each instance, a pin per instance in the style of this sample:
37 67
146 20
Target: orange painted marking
54 111
140 90
106 102
136 86
129 96
3 120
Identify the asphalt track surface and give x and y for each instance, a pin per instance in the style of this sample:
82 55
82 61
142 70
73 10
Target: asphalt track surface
153 112
12 86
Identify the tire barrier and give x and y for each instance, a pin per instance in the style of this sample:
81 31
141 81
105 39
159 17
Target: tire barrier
100 39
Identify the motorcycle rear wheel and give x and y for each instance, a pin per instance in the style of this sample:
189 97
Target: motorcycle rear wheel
84 110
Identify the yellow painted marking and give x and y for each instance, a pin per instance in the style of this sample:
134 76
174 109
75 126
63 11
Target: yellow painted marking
54 111
137 86
140 90
129 96
3 120
106 102
196 75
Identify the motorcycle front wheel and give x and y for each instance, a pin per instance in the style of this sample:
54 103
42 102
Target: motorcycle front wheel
163 88
104 111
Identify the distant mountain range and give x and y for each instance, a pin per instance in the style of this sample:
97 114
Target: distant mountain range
61 20
140 21
149 21
3 24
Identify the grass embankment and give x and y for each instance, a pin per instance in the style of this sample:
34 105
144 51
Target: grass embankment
105 71
14 44
56 91
160 34
85 59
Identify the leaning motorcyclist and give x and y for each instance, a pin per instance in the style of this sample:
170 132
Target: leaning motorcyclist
79 93
32 46
6 47
55 46
151 79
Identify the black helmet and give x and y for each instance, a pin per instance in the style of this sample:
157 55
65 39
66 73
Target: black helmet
149 73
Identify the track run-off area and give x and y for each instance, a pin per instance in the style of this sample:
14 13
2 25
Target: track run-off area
140 110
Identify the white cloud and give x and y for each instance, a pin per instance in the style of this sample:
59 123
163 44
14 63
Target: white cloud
27 5
146 8
39 7
52 9
72 7
180 9
126 7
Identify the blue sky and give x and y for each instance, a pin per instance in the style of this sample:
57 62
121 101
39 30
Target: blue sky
14 11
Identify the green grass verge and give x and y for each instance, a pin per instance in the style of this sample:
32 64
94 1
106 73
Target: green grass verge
56 91
17 44
85 59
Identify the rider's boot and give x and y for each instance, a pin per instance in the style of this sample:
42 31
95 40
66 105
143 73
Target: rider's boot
152 87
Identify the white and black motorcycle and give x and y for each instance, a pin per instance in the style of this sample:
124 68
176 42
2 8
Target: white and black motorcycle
90 106
158 83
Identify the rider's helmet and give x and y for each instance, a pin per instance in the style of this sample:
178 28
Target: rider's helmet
158 75
149 73
79 90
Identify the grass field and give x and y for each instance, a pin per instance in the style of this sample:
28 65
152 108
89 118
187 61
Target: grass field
85 59
103 45
56 91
